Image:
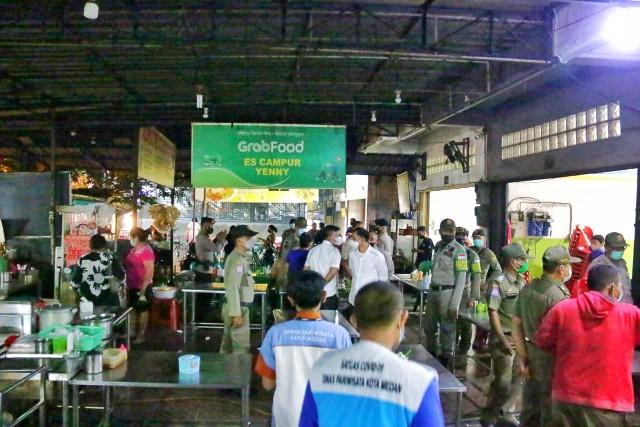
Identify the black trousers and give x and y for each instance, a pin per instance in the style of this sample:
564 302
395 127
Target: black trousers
331 303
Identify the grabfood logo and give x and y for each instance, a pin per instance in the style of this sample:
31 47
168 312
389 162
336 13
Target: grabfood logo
271 147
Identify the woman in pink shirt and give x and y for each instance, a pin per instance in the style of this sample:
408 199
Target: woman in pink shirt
139 266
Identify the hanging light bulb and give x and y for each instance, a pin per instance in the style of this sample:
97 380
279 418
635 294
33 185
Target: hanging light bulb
91 10
373 116
205 114
398 96
199 100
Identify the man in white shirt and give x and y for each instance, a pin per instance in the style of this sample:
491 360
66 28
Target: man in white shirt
385 242
349 246
373 241
367 264
324 259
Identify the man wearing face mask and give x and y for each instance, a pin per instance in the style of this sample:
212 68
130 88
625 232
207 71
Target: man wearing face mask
367 265
448 279
614 247
205 247
368 384
324 259
488 264
470 294
592 339
238 287
293 239
534 301
425 247
502 296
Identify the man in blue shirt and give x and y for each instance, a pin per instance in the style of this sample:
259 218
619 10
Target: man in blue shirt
368 384
597 247
290 349
297 257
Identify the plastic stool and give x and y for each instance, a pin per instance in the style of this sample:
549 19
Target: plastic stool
165 313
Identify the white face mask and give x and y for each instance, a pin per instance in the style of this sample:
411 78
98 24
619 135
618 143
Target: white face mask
337 241
292 226
132 241
568 272
301 231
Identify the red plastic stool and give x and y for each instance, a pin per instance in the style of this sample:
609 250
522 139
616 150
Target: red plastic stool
165 313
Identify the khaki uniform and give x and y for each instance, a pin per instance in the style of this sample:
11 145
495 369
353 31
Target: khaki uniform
448 279
290 242
502 297
471 291
238 287
534 301
488 262
570 415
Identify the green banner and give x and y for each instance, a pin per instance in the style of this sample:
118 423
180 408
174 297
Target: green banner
267 156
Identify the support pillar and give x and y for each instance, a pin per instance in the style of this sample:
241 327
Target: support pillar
498 216
52 212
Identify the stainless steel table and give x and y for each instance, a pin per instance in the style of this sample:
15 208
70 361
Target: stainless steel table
21 371
447 382
214 288
404 281
59 369
150 369
336 317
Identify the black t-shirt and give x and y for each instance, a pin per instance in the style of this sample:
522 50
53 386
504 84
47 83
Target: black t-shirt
426 246
93 275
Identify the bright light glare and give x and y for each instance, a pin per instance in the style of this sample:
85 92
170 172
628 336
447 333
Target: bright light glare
91 10
127 221
621 29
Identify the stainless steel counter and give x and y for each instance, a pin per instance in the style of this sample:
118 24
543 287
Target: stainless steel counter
447 382
330 315
403 281
149 369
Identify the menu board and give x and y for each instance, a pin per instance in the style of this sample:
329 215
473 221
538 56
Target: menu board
156 157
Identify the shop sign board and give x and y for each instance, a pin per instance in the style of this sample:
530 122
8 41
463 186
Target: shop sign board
156 157
267 156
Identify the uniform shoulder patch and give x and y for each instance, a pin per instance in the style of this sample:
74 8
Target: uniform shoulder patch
495 291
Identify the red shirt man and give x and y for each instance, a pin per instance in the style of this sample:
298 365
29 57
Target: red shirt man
592 338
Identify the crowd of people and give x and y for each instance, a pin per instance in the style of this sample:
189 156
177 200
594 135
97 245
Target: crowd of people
568 360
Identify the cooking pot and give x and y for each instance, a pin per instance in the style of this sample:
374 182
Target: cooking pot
105 321
55 314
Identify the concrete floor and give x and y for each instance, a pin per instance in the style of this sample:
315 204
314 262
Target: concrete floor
148 407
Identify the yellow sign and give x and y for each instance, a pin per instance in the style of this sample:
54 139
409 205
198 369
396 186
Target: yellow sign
261 195
156 157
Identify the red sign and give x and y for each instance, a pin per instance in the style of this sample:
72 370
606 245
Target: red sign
74 247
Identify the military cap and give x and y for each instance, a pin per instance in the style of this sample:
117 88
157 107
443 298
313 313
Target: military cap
559 255
448 225
615 240
514 250
462 231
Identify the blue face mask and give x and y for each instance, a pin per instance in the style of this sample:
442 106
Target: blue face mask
478 243
617 255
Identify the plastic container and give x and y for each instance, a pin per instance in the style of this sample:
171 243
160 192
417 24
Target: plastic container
113 357
86 308
59 344
189 364
90 339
